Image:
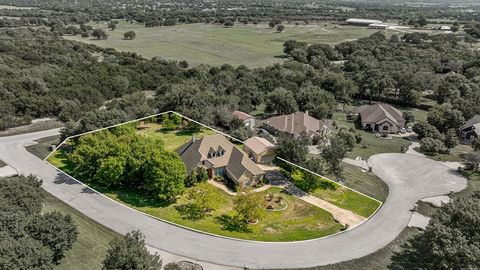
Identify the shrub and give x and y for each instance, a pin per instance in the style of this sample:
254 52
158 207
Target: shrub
431 146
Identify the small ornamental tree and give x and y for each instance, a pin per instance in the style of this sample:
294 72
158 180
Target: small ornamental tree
204 196
129 35
129 252
249 206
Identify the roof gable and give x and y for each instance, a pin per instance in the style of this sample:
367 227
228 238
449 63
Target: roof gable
380 111
295 123
227 155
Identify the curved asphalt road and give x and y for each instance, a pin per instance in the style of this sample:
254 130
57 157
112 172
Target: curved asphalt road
409 178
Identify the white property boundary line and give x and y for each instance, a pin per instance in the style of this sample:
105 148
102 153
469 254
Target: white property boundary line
189 228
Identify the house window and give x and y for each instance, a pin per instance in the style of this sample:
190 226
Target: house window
220 171
212 154
385 128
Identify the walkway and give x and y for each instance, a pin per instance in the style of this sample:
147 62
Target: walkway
343 216
409 178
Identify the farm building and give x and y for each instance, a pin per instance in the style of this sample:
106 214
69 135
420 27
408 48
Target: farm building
362 22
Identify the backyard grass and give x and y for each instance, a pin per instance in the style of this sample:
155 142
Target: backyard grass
254 45
92 243
173 139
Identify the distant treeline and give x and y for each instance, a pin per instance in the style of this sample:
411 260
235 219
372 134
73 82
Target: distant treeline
89 87
154 13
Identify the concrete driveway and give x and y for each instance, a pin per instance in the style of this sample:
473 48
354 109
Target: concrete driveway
408 177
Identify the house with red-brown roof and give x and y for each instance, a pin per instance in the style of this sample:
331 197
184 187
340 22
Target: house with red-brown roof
248 120
296 124
381 118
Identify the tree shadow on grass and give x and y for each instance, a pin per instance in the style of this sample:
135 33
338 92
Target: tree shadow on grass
190 211
324 184
233 224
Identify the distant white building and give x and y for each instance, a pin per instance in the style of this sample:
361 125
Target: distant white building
362 22
380 26
445 28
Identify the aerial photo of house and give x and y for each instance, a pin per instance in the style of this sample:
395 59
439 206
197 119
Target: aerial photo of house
296 124
221 158
471 129
248 120
381 118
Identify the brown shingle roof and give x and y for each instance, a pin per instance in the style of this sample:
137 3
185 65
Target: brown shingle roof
241 115
380 111
295 123
194 152
258 144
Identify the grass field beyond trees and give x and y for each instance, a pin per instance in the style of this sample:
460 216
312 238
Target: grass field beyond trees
250 45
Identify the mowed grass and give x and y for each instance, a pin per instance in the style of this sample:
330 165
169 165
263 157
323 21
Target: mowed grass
364 182
92 243
370 144
42 148
250 45
173 139
348 199
299 221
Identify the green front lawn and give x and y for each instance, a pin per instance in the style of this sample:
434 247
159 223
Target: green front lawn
348 199
299 221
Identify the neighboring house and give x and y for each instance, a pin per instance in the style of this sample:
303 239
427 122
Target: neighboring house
381 118
221 158
296 124
471 129
259 150
248 120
